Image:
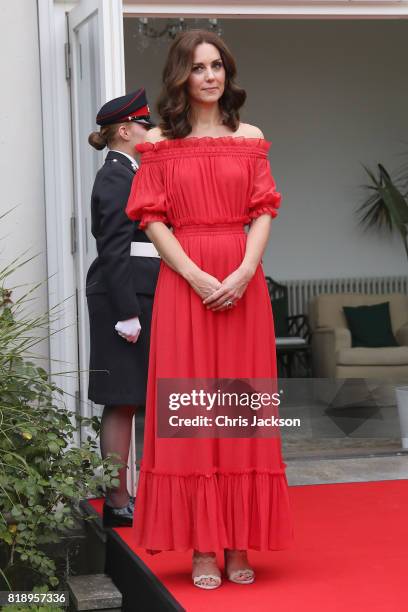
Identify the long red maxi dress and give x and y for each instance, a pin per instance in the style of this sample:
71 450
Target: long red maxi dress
209 494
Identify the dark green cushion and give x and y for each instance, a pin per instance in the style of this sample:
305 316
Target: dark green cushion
370 325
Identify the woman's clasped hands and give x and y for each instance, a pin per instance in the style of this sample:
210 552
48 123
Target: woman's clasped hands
218 296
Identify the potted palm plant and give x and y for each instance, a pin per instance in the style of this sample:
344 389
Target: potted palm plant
386 209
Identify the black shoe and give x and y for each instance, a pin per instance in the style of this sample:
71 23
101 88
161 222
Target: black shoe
118 517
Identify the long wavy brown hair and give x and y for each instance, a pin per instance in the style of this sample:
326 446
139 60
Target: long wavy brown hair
173 104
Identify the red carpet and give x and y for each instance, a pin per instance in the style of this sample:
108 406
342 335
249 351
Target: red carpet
350 553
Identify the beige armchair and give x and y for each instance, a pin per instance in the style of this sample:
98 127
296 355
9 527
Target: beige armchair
332 353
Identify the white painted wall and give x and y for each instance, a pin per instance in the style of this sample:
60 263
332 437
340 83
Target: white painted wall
21 148
330 95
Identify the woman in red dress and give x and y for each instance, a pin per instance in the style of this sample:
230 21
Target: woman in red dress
207 175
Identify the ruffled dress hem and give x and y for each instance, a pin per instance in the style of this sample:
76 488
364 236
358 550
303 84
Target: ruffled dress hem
245 509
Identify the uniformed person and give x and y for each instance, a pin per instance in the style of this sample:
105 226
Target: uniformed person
120 287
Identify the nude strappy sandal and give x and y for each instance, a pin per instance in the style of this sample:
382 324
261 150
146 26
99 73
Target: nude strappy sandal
214 577
233 576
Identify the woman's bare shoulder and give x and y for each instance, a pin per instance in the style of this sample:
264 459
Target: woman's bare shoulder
249 131
154 135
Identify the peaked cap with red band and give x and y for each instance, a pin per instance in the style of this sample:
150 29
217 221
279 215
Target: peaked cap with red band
131 107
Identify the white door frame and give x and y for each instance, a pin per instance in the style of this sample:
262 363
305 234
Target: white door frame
58 194
266 9
58 163
108 77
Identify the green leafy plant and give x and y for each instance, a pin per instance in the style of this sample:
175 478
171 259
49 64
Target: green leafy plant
43 474
386 207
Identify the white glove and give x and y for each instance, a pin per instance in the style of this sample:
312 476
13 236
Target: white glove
129 329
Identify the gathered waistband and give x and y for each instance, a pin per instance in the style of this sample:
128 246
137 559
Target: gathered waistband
208 228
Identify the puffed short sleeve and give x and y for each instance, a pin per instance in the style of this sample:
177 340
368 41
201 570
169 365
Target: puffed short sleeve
147 199
264 197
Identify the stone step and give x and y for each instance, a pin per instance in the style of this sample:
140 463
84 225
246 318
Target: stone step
94 592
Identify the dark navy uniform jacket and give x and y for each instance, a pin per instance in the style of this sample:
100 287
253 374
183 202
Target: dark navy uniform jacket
114 272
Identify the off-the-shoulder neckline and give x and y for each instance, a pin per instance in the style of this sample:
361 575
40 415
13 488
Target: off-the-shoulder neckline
192 141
